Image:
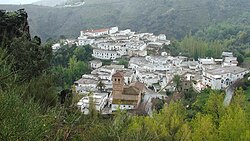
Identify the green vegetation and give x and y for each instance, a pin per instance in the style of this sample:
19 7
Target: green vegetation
123 61
212 41
70 63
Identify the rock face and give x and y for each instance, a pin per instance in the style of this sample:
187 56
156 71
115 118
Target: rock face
13 25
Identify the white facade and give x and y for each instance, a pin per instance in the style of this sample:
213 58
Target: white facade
125 32
116 107
230 61
99 101
128 76
206 61
95 64
56 46
222 77
86 84
82 41
142 53
95 33
227 54
113 30
162 37
105 54
111 46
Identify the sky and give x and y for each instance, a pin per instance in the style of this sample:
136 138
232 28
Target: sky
17 1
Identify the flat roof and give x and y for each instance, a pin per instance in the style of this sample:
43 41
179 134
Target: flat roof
225 70
105 51
86 81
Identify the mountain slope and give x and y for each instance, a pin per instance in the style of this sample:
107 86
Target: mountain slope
50 3
175 18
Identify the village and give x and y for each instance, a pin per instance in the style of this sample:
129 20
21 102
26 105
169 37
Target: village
147 76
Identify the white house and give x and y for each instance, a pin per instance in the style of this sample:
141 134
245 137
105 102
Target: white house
95 33
230 61
111 46
113 30
99 101
56 46
135 52
85 85
221 77
128 76
162 37
139 45
83 40
227 54
126 32
148 78
95 64
204 62
105 54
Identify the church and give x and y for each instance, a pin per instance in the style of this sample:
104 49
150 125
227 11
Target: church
125 97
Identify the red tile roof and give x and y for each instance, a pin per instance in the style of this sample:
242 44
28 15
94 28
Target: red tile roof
118 74
138 85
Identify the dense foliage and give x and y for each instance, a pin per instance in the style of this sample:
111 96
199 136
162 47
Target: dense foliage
69 63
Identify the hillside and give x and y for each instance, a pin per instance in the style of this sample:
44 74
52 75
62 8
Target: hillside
175 18
49 2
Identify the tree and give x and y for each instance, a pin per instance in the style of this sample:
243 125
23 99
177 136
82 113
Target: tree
214 106
203 128
29 57
177 82
157 104
100 85
233 124
80 52
169 121
240 59
123 62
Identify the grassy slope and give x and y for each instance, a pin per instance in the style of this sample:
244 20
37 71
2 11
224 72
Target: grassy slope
175 18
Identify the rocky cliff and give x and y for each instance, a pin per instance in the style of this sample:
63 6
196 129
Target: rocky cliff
13 25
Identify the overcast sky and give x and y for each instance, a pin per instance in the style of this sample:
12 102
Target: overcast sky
17 1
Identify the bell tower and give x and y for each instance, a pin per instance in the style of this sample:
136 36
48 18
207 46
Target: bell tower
118 83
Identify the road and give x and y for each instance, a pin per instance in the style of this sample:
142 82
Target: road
229 95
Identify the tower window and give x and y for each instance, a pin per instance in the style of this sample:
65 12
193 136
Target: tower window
119 80
115 79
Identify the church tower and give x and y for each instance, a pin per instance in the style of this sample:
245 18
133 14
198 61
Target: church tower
118 84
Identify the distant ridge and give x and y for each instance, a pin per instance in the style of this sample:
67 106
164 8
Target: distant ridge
50 3
59 3
175 18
